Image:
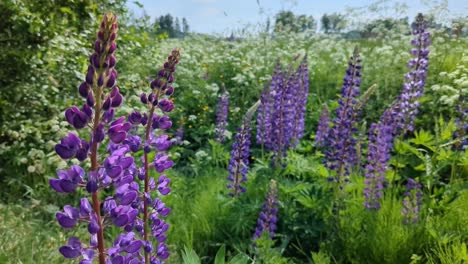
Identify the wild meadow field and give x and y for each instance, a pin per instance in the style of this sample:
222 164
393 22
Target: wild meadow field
262 147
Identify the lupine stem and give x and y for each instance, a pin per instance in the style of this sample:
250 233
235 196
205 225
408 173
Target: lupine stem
94 167
145 208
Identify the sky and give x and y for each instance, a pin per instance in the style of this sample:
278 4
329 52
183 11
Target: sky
223 16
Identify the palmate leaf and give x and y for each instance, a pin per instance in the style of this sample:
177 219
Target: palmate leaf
424 138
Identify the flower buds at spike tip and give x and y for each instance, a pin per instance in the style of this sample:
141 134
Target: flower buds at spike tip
90 75
170 91
143 98
111 81
117 98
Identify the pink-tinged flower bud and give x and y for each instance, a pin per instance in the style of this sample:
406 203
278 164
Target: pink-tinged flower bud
117 100
90 99
112 47
162 73
87 110
94 60
143 98
99 134
100 35
111 81
97 46
171 78
112 62
112 37
170 91
107 104
151 97
83 89
90 75
100 81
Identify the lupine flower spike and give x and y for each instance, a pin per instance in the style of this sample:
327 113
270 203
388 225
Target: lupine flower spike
341 155
412 202
268 217
240 153
323 128
380 139
102 96
280 120
402 113
398 118
155 123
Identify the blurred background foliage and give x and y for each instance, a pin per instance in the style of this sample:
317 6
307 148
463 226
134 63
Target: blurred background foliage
44 47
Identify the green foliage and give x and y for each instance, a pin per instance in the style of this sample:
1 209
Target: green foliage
43 50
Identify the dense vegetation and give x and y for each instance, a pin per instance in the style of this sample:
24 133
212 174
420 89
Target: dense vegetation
44 48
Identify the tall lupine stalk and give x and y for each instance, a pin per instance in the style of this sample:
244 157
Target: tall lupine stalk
402 113
323 128
341 155
240 153
398 118
380 139
222 115
412 202
102 96
268 217
280 121
301 101
265 111
155 122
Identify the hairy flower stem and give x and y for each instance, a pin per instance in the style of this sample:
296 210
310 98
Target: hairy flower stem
95 167
145 207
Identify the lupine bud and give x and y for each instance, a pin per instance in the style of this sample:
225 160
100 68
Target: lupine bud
83 89
143 98
240 153
269 215
412 202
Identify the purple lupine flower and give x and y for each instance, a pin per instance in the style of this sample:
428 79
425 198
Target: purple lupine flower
239 161
221 116
403 111
132 201
341 154
321 137
268 217
280 120
240 153
412 202
264 116
461 122
301 100
380 140
116 170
